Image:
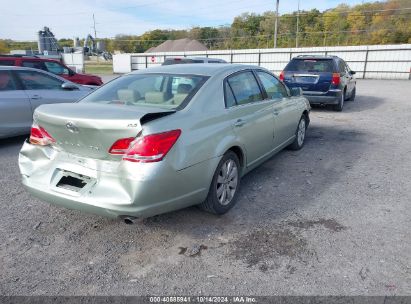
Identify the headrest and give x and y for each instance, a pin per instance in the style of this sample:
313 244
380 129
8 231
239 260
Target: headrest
184 88
128 95
155 97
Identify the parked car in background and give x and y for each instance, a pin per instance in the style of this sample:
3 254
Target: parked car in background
52 66
22 90
325 80
184 60
140 146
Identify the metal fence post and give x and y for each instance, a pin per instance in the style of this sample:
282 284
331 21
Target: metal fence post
146 62
365 63
259 58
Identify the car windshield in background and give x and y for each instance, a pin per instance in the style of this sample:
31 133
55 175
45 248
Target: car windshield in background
311 65
172 61
149 90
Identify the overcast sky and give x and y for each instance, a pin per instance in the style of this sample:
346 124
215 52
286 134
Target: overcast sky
21 19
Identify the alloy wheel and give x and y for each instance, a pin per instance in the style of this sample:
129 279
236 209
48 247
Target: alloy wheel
301 132
227 182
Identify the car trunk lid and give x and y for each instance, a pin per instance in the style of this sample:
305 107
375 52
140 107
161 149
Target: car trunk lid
88 129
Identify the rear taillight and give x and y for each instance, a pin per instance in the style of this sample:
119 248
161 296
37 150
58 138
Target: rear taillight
282 76
39 136
336 79
146 149
121 146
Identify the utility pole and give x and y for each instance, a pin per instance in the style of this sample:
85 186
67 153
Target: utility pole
276 23
298 24
94 27
95 36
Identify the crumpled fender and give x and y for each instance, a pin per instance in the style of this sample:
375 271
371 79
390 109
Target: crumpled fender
32 158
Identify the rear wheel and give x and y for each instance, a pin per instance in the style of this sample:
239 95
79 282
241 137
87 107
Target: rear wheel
299 140
339 107
352 97
222 195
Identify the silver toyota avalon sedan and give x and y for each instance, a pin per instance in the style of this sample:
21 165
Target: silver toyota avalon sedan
162 139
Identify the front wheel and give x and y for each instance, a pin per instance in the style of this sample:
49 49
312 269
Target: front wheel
299 140
224 187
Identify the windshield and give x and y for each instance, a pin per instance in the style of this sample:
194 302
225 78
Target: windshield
311 65
148 90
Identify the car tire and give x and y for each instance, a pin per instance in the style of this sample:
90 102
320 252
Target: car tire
224 187
299 139
339 107
352 97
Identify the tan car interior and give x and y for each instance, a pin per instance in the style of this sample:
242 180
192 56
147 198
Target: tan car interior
155 97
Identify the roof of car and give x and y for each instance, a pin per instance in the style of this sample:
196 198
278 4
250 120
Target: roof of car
206 69
13 67
316 57
10 68
28 57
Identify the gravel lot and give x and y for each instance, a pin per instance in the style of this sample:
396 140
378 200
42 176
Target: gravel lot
331 219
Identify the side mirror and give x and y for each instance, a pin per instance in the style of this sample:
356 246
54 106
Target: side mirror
69 86
352 72
296 92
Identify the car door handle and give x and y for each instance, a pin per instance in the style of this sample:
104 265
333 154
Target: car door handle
35 97
239 123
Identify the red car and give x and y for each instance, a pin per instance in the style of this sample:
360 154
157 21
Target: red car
52 66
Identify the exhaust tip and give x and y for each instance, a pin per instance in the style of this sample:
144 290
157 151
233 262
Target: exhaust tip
128 220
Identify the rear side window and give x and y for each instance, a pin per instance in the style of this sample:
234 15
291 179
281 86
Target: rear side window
229 97
7 62
274 88
38 81
56 68
245 88
6 81
311 65
34 64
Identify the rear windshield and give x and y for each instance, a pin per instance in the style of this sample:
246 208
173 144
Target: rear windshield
181 61
149 90
311 65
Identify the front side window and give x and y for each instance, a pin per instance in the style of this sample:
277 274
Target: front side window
148 90
245 88
34 64
6 81
56 68
274 88
33 80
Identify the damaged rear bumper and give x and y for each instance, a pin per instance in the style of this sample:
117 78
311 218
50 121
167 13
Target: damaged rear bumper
112 188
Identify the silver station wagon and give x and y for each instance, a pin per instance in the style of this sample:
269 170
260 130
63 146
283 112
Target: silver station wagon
162 139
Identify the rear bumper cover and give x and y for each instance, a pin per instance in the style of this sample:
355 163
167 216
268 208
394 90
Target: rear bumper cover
119 188
331 97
